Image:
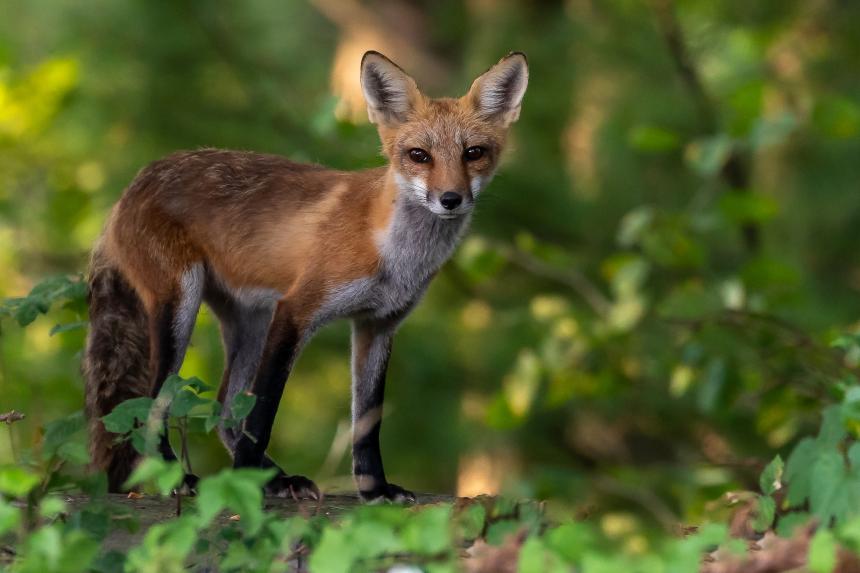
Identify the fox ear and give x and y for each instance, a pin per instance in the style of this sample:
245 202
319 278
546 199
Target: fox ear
389 91
499 91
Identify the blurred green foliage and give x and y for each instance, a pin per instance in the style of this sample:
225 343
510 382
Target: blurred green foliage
641 316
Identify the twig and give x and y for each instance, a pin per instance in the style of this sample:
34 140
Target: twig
735 173
792 335
667 21
11 417
644 497
569 277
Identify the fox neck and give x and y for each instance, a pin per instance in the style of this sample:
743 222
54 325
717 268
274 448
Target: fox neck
415 242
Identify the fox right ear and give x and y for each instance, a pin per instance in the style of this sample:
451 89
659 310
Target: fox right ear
389 91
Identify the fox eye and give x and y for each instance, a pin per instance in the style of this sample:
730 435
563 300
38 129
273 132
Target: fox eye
419 155
473 153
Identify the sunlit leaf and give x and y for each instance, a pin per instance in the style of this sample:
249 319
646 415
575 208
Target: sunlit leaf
653 139
16 481
822 552
770 480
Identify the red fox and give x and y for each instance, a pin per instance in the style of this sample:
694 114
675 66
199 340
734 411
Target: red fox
277 249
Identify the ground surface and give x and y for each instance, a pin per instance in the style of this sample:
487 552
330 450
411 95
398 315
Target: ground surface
152 509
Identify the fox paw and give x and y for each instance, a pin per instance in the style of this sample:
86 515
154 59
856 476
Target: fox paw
188 485
296 487
387 493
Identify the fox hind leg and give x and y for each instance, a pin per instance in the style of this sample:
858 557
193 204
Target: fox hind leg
245 329
171 325
282 343
244 335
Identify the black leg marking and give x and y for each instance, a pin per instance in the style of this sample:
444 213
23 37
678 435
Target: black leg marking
165 357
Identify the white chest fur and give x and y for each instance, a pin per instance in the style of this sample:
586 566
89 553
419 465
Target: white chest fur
412 248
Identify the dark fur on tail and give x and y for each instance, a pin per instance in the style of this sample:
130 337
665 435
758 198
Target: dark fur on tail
116 364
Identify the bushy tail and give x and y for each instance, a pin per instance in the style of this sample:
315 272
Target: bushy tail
116 363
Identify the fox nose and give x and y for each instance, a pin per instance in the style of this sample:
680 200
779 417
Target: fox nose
450 200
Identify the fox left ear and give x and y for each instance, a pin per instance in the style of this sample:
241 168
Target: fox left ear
389 91
498 92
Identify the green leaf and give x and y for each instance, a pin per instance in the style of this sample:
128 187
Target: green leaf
334 554
68 327
828 475
165 547
10 516
571 540
748 207
822 552
372 539
653 139
165 475
127 414
16 481
707 156
713 382
633 225
53 549
789 523
536 557
109 562
74 452
499 531
770 479
240 490
835 488
185 401
832 428
51 290
798 471
51 506
765 512
242 405
478 260
429 531
770 131
803 461
61 432
837 117
469 522
690 300
197 384
214 417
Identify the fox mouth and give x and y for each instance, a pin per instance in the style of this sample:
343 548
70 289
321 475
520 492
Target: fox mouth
447 214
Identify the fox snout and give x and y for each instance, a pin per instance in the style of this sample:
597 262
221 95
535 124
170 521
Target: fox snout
452 203
450 200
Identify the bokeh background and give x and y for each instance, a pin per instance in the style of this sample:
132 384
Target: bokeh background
641 316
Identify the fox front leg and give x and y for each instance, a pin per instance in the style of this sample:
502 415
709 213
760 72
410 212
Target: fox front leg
371 348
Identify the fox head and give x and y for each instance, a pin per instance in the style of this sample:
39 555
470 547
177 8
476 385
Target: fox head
443 152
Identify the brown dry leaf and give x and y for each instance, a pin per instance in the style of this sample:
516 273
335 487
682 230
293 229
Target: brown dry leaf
236 517
134 495
774 554
485 558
